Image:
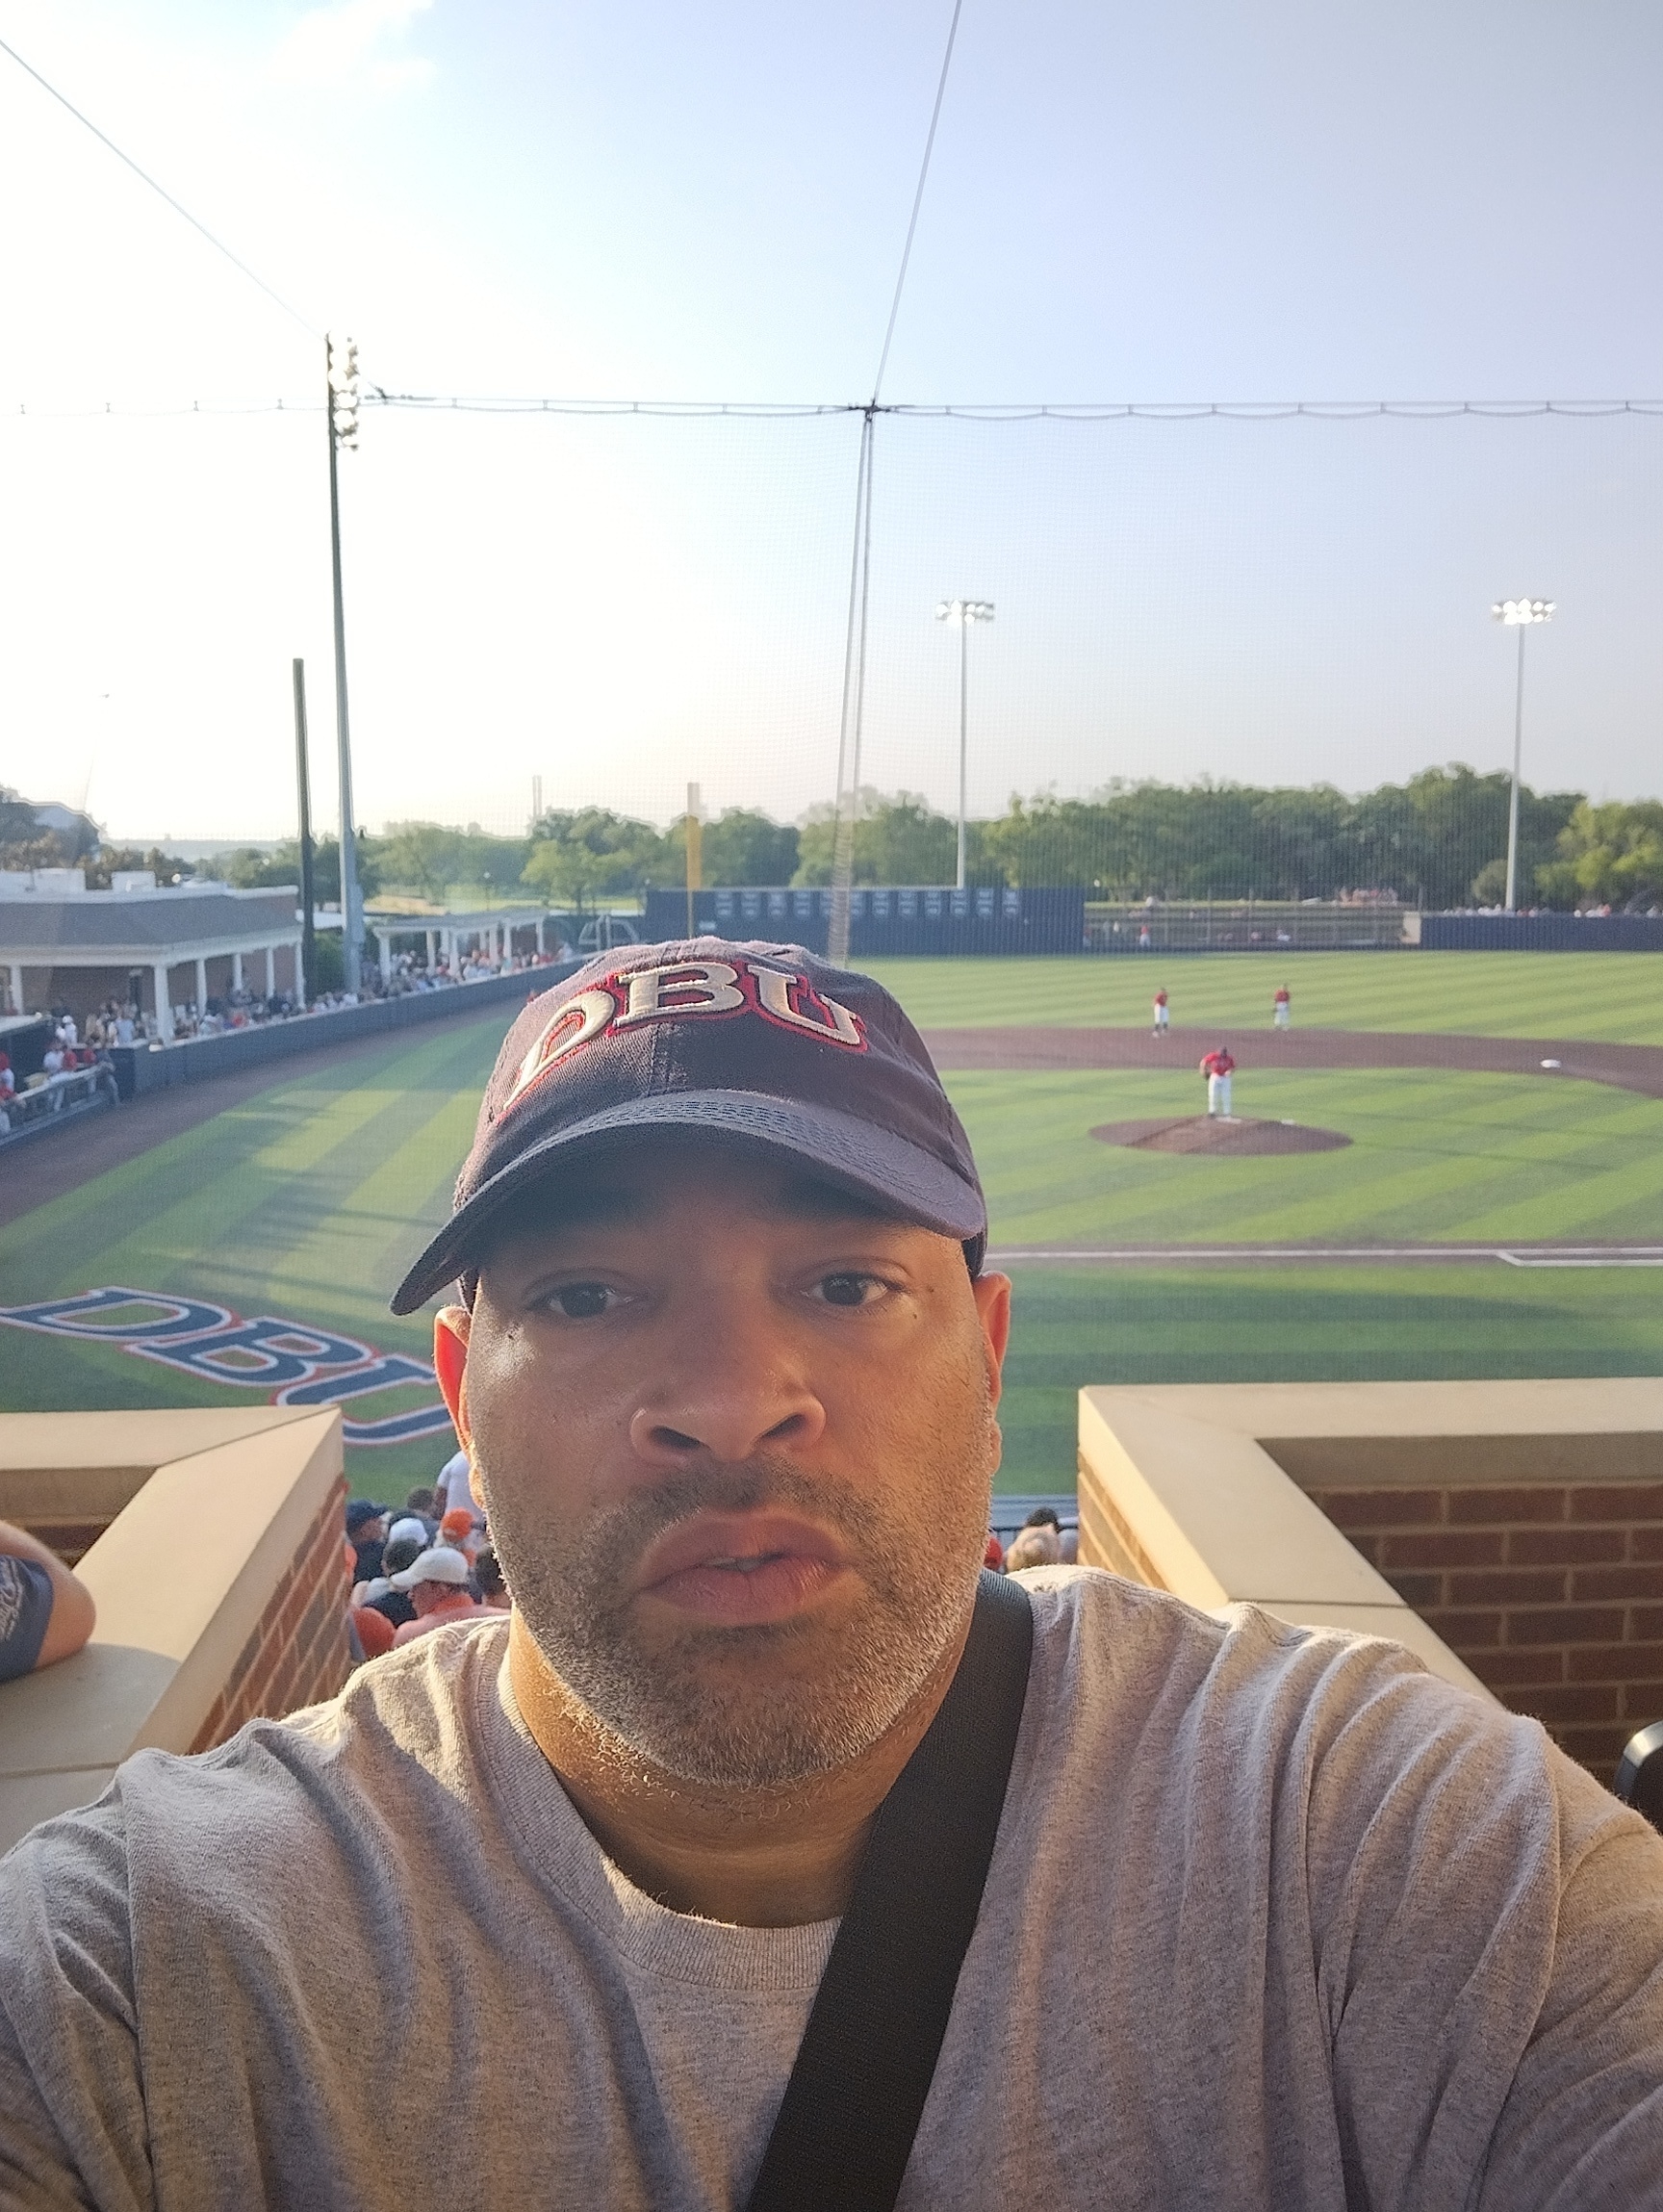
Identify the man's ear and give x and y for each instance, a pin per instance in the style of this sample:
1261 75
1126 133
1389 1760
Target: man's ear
992 1294
450 1326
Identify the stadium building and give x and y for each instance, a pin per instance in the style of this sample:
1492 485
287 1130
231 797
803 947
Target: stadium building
63 945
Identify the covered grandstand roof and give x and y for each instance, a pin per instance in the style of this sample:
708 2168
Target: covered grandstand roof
142 926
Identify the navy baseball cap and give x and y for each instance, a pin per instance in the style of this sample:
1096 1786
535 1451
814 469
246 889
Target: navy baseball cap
764 1045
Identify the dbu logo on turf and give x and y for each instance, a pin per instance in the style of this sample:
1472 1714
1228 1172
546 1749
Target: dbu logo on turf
292 1362
634 996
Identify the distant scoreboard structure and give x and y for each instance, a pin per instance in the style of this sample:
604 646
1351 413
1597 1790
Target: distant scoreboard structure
986 919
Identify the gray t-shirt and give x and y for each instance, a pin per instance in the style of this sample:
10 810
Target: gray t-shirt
1275 1919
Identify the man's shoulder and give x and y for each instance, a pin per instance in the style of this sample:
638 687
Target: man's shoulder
402 1727
1124 1670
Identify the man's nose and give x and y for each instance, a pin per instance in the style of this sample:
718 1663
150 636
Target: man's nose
736 1392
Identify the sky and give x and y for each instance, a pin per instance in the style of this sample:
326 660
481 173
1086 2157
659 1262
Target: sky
1192 203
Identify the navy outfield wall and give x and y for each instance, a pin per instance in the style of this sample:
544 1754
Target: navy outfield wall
885 919
141 1068
1542 932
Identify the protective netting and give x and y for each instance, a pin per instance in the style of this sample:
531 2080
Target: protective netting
620 605
624 605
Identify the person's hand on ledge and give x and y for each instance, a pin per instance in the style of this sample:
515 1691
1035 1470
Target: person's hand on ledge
46 1612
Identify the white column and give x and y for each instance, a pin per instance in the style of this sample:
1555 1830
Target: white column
271 971
236 972
164 1004
431 935
540 944
201 986
16 972
385 941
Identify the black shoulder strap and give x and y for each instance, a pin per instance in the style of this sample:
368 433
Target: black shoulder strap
857 2093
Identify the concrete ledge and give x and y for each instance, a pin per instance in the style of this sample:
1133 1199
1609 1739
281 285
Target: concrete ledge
187 1576
1177 1489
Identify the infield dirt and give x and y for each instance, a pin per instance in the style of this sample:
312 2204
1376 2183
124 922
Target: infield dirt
1233 1137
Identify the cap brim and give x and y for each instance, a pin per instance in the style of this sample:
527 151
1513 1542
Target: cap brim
873 1163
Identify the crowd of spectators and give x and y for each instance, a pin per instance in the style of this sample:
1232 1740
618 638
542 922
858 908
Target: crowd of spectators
74 1051
432 1563
72 1069
407 973
422 1568
1041 1541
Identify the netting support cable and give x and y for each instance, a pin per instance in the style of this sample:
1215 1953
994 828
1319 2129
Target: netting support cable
850 719
917 202
988 412
144 177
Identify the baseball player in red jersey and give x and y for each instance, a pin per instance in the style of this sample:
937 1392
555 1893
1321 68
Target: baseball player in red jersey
1219 1068
1163 1013
1284 1006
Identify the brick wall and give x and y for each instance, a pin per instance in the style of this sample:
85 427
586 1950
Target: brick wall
1552 1593
296 1655
1108 1538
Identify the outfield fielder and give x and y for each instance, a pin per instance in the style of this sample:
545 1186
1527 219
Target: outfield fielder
1162 1013
1219 1068
535 1912
1283 1006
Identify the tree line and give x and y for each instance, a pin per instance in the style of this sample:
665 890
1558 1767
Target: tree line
1439 840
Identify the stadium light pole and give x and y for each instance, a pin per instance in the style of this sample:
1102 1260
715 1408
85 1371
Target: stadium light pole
961 614
340 361
307 980
1518 614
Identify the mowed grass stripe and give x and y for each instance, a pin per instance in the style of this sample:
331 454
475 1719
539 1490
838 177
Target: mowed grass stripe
197 1214
1079 1326
1432 1157
362 1250
303 1233
1610 997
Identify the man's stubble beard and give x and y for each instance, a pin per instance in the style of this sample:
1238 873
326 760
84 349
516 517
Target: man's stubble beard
706 1708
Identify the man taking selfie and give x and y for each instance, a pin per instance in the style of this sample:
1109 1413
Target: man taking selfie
767 1853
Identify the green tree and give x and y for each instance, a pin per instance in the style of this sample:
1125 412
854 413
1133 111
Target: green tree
425 858
1490 884
579 857
166 867
741 847
1609 855
898 840
481 856
250 869
17 825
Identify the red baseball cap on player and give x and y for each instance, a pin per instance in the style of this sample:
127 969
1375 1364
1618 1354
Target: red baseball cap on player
765 1046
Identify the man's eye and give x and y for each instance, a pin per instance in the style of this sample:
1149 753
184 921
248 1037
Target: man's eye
582 1301
850 1288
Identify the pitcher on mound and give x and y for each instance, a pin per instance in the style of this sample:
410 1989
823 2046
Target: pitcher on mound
1219 1068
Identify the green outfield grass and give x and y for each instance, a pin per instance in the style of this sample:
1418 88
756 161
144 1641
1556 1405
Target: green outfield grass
307 1202
1190 1323
1433 1156
1611 996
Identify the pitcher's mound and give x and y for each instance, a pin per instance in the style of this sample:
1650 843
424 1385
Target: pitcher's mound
1210 1133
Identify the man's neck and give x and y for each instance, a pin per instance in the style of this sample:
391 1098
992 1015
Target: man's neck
761 1859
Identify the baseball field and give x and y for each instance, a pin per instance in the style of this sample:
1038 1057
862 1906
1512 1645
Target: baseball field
1478 1214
